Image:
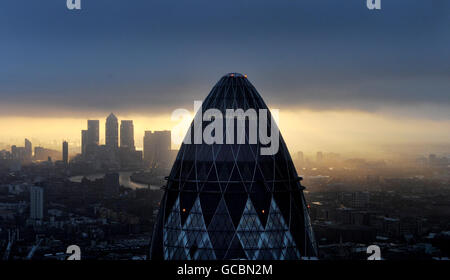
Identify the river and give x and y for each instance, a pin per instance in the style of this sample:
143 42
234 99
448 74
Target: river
124 180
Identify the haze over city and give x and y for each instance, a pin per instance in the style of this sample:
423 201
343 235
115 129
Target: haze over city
92 164
337 87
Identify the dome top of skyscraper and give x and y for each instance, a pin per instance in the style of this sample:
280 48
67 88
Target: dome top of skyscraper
235 75
233 79
234 91
229 201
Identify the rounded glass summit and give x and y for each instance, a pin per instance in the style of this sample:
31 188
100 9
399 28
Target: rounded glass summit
229 201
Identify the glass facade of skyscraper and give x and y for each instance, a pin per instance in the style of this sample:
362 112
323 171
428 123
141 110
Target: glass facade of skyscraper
227 201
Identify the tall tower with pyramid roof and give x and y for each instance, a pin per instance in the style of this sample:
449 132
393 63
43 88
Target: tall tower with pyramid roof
227 201
112 132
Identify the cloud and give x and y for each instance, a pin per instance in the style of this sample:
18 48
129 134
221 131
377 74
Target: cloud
153 56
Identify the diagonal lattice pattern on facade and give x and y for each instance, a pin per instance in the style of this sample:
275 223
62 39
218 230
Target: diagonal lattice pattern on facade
229 202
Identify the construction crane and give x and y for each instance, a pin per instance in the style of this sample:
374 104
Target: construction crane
33 249
13 235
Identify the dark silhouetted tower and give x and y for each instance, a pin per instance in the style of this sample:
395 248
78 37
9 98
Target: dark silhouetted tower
227 201
92 137
127 134
65 152
36 203
28 150
112 132
84 141
157 147
93 132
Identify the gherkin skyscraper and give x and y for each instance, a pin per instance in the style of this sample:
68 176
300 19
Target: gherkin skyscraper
228 201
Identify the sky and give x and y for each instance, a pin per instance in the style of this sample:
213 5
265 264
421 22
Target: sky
344 78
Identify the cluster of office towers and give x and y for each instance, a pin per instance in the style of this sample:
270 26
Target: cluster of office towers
157 144
24 155
90 137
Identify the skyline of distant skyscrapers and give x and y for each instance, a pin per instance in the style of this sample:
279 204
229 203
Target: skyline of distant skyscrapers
113 154
119 150
22 154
